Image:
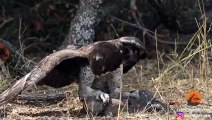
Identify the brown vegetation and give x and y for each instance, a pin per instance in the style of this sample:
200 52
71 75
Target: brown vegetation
177 35
5 52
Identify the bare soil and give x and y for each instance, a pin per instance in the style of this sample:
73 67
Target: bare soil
144 75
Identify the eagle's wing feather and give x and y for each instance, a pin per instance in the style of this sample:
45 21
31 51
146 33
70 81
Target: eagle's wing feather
111 53
39 72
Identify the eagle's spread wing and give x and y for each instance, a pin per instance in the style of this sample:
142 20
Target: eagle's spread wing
62 67
40 72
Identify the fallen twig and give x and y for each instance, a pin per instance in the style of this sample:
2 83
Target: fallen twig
54 97
42 97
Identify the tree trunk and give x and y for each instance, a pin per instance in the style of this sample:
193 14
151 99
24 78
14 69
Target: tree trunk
82 31
82 27
88 16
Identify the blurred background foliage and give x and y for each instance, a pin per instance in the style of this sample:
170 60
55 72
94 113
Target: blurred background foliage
42 23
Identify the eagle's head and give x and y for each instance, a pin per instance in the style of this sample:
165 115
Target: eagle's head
133 51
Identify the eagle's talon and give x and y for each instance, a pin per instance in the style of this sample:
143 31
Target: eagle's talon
105 98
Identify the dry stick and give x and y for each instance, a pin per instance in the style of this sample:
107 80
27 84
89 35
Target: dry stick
42 97
54 97
5 22
149 32
134 9
119 105
197 111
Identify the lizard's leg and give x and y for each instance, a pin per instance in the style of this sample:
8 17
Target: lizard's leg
136 100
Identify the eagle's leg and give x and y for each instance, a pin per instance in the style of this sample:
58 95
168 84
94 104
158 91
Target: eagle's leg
94 100
115 84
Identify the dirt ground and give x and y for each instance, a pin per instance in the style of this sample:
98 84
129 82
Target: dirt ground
144 75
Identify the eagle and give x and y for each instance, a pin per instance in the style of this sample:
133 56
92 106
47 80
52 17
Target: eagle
88 66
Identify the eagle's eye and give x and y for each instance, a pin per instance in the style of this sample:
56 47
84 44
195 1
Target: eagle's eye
142 54
127 50
135 51
131 53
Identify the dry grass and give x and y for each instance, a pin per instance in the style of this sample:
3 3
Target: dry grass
169 77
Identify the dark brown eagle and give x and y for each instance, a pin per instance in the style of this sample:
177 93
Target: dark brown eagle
86 66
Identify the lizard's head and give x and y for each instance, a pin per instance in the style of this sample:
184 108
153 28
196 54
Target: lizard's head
133 51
